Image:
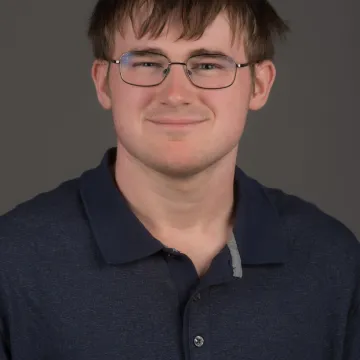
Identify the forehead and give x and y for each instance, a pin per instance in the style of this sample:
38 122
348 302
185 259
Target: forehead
217 36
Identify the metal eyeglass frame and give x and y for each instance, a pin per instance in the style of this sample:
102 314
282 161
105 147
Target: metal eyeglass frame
184 64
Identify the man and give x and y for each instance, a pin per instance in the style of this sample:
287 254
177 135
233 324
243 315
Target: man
167 250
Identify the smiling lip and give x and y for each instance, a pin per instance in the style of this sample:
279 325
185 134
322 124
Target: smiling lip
178 122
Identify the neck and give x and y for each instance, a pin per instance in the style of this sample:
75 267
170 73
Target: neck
196 205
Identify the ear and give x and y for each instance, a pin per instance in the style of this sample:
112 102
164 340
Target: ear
99 74
264 77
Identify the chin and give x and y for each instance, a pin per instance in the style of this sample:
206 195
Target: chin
180 168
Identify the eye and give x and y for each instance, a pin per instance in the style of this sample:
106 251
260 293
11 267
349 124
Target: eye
206 66
147 64
209 66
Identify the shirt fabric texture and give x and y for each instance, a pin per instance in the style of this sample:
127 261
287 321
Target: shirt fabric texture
82 279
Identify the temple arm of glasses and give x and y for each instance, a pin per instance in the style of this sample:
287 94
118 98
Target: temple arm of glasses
242 65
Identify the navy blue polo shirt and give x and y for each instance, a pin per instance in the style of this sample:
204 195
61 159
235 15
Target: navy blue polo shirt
82 278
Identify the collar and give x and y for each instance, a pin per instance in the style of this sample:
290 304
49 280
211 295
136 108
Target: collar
122 238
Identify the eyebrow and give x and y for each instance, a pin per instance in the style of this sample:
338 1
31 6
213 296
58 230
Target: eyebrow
199 51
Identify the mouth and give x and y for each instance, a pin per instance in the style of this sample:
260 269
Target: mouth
173 122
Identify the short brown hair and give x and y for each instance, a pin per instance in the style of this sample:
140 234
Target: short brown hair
257 19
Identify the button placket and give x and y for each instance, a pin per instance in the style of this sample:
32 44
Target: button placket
197 311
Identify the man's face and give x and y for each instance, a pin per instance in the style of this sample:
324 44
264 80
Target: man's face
219 116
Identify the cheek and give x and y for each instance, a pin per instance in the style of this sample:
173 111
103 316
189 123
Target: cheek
229 106
128 103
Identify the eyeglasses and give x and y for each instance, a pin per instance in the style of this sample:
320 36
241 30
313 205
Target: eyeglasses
208 71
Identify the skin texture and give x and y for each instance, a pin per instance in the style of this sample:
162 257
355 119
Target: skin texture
179 179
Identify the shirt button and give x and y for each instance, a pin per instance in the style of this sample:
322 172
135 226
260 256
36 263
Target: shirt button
199 341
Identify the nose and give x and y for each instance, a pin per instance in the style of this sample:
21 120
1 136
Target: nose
176 89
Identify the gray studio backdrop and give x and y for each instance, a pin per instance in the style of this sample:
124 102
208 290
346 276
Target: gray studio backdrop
304 141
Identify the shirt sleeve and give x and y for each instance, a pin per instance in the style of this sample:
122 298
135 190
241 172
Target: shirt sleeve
352 340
